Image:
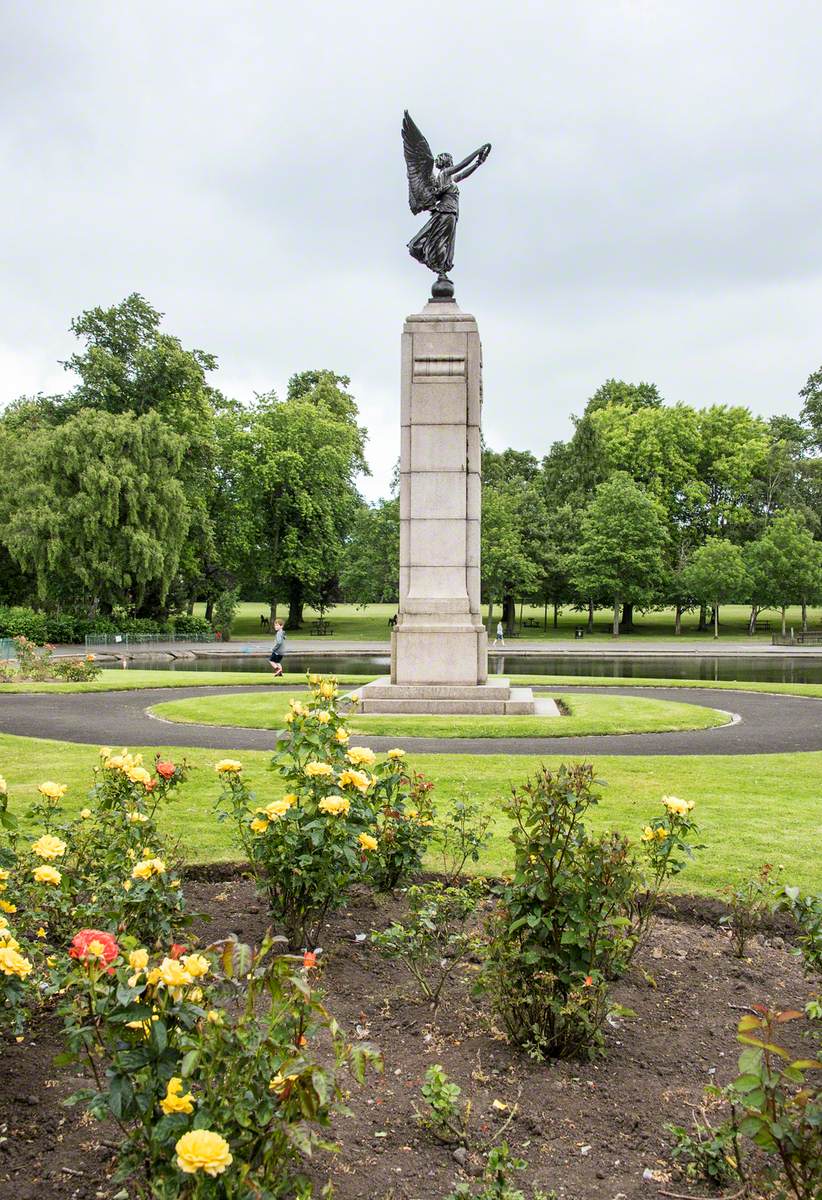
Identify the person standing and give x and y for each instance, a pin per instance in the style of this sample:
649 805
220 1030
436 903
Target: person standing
278 651
500 635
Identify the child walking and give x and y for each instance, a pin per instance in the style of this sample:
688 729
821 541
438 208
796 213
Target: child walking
278 651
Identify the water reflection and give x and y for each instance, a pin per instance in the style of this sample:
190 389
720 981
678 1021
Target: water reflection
778 669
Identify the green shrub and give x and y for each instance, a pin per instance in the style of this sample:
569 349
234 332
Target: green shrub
705 1153
228 1044
778 1102
445 1115
461 835
225 606
749 901
496 1183
23 622
433 941
187 625
76 670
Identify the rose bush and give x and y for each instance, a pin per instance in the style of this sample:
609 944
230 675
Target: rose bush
345 817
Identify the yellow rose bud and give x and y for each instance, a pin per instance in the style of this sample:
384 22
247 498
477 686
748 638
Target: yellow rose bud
228 766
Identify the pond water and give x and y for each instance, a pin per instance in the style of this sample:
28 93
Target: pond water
779 669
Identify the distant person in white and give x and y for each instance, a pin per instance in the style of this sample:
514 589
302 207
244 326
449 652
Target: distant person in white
500 635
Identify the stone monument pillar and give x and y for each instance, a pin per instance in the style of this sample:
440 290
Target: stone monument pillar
439 647
439 634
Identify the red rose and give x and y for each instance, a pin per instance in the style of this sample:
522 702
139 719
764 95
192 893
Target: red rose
166 769
82 940
177 951
309 959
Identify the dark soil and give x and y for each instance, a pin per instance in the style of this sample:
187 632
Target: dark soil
587 1130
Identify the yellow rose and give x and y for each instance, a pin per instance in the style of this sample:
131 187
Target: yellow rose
342 735
396 754
49 846
367 841
314 679
3 786
172 974
661 833
334 805
322 717
7 906
126 885
648 834
148 867
356 779
328 689
138 960
202 1150
289 718
228 766
47 874
7 941
361 756
174 1101
12 963
676 806
41 933
197 965
214 1016
85 813
52 790
280 1083
105 751
259 825
298 709
319 770
139 775
278 808
135 817
4 874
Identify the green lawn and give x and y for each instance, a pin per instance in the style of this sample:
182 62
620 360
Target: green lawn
752 809
126 681
370 623
588 715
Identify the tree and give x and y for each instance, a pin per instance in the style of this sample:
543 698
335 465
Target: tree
298 460
94 508
371 559
507 571
716 574
811 395
785 566
622 543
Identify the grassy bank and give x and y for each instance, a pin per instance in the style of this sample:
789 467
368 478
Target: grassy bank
751 808
370 623
586 715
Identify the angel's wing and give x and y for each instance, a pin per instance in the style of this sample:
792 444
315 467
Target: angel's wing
419 163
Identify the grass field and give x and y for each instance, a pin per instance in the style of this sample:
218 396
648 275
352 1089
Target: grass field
587 715
370 623
751 809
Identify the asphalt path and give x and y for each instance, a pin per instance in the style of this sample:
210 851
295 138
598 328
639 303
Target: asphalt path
767 724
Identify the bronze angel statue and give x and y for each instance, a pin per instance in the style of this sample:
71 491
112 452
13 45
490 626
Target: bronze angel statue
432 187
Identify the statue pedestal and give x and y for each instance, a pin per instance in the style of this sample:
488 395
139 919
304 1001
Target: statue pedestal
439 643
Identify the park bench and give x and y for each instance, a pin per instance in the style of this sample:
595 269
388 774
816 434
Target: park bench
530 623
762 627
320 628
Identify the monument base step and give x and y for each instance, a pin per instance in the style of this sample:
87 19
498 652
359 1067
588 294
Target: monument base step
496 699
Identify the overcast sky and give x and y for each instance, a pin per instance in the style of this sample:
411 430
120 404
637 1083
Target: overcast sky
650 209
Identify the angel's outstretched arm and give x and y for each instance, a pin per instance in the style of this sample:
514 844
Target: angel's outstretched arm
480 155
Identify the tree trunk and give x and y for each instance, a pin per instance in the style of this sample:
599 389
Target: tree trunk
716 621
295 605
509 613
490 615
804 616
190 606
678 620
545 617
209 610
627 623
590 616
616 616
703 618
783 620
556 616
752 621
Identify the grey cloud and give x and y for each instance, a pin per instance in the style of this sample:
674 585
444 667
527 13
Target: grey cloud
650 208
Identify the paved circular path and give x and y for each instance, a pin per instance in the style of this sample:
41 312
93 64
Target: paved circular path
769 724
